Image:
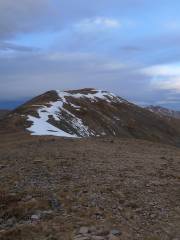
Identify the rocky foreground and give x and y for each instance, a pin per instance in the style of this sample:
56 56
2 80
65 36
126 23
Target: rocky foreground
88 189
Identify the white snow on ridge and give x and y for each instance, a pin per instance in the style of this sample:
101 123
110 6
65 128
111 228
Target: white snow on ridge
98 94
41 126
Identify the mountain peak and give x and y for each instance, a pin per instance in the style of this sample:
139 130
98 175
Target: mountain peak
67 111
88 112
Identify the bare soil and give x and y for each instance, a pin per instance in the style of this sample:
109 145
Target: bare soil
97 188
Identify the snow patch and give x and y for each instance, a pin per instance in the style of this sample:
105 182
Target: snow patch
42 128
75 106
57 111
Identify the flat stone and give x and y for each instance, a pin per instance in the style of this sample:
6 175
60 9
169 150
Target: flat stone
84 230
35 217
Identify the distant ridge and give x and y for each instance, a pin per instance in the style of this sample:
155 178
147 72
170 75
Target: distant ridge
161 111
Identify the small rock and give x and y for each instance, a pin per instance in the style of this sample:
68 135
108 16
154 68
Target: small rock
84 230
46 214
35 217
98 215
10 222
153 215
55 204
115 232
27 198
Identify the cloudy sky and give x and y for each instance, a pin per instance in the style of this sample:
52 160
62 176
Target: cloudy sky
129 47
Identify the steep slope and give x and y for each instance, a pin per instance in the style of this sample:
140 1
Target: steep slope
88 112
164 112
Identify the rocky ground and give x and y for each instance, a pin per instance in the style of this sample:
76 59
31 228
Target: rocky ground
3 113
88 189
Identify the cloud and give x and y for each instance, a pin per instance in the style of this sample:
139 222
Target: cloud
98 23
172 83
162 70
28 73
165 77
116 45
26 16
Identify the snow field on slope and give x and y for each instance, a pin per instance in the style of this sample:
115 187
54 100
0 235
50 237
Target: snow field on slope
41 126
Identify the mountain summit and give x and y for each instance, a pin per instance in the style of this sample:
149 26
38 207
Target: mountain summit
75 113
88 113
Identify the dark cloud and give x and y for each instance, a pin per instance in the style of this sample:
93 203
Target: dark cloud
23 16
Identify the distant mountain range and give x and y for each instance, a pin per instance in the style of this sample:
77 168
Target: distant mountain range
88 113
